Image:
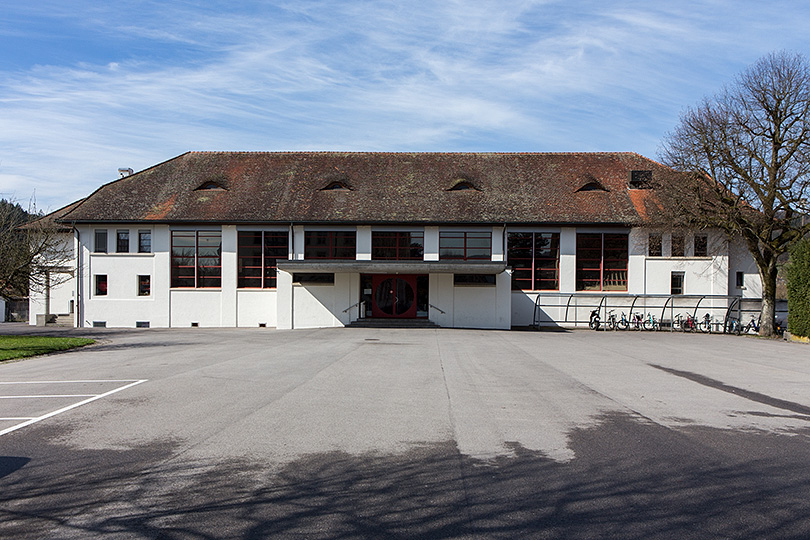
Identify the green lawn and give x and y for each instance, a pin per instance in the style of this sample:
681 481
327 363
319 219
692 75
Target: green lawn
12 347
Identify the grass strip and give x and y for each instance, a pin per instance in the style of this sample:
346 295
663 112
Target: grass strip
12 347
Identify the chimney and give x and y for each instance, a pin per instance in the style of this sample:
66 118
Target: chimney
123 173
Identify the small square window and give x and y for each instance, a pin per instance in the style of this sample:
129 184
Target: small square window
122 241
144 285
100 244
144 241
654 246
676 283
101 285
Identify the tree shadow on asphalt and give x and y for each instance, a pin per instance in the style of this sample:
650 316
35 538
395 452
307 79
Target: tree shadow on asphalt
430 492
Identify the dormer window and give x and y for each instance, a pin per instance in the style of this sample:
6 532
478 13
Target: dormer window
210 186
336 185
213 183
462 184
640 180
593 185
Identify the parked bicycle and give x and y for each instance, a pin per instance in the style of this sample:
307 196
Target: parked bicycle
623 323
752 327
637 321
651 323
705 324
594 322
687 323
611 323
733 326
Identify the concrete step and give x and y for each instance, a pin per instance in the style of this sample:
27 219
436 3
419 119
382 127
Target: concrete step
393 323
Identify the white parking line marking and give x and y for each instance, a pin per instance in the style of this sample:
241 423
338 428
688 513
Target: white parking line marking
10 419
69 407
49 395
67 382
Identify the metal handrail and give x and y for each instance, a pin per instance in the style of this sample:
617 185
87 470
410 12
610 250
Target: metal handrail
437 309
361 302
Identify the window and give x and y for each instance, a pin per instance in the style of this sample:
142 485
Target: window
701 245
535 261
257 253
311 278
144 285
100 241
465 246
101 285
122 241
197 259
474 280
676 283
144 241
740 280
677 248
654 248
330 245
397 246
640 179
602 262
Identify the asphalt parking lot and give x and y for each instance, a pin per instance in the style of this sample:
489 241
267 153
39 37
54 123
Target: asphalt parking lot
368 433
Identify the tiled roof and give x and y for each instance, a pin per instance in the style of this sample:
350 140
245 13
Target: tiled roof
377 187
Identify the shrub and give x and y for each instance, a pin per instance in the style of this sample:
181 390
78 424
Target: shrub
798 286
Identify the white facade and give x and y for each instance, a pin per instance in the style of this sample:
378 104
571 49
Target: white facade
123 302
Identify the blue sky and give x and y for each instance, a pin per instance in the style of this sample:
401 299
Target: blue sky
87 87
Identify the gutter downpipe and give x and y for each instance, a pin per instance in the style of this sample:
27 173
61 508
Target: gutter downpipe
79 307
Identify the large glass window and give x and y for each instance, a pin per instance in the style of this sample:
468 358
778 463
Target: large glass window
397 246
330 245
602 262
101 284
197 259
535 260
465 246
257 254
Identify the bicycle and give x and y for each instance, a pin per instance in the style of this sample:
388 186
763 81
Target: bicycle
637 321
687 324
733 326
752 327
705 325
594 321
623 323
651 323
611 323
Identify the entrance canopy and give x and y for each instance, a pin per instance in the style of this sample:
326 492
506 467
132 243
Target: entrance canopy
393 267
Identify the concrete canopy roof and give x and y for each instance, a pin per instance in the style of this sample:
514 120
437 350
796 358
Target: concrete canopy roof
377 187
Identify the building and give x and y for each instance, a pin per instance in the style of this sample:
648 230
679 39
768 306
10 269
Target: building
320 239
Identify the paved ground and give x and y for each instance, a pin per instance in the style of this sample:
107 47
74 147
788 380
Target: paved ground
364 433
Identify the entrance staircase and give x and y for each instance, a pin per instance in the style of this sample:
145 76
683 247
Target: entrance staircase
392 323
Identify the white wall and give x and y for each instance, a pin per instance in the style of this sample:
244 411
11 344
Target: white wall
62 293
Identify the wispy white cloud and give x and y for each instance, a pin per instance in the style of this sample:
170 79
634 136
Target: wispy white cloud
146 81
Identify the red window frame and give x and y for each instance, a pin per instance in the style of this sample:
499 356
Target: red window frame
397 246
257 255
202 269
330 244
462 245
534 256
602 261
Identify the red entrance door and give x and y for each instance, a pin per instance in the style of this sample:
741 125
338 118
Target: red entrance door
394 296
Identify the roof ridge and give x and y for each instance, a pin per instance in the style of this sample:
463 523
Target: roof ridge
404 152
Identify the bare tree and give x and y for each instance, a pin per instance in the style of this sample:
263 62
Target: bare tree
36 253
747 150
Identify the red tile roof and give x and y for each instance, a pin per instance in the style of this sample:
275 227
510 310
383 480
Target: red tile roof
283 187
